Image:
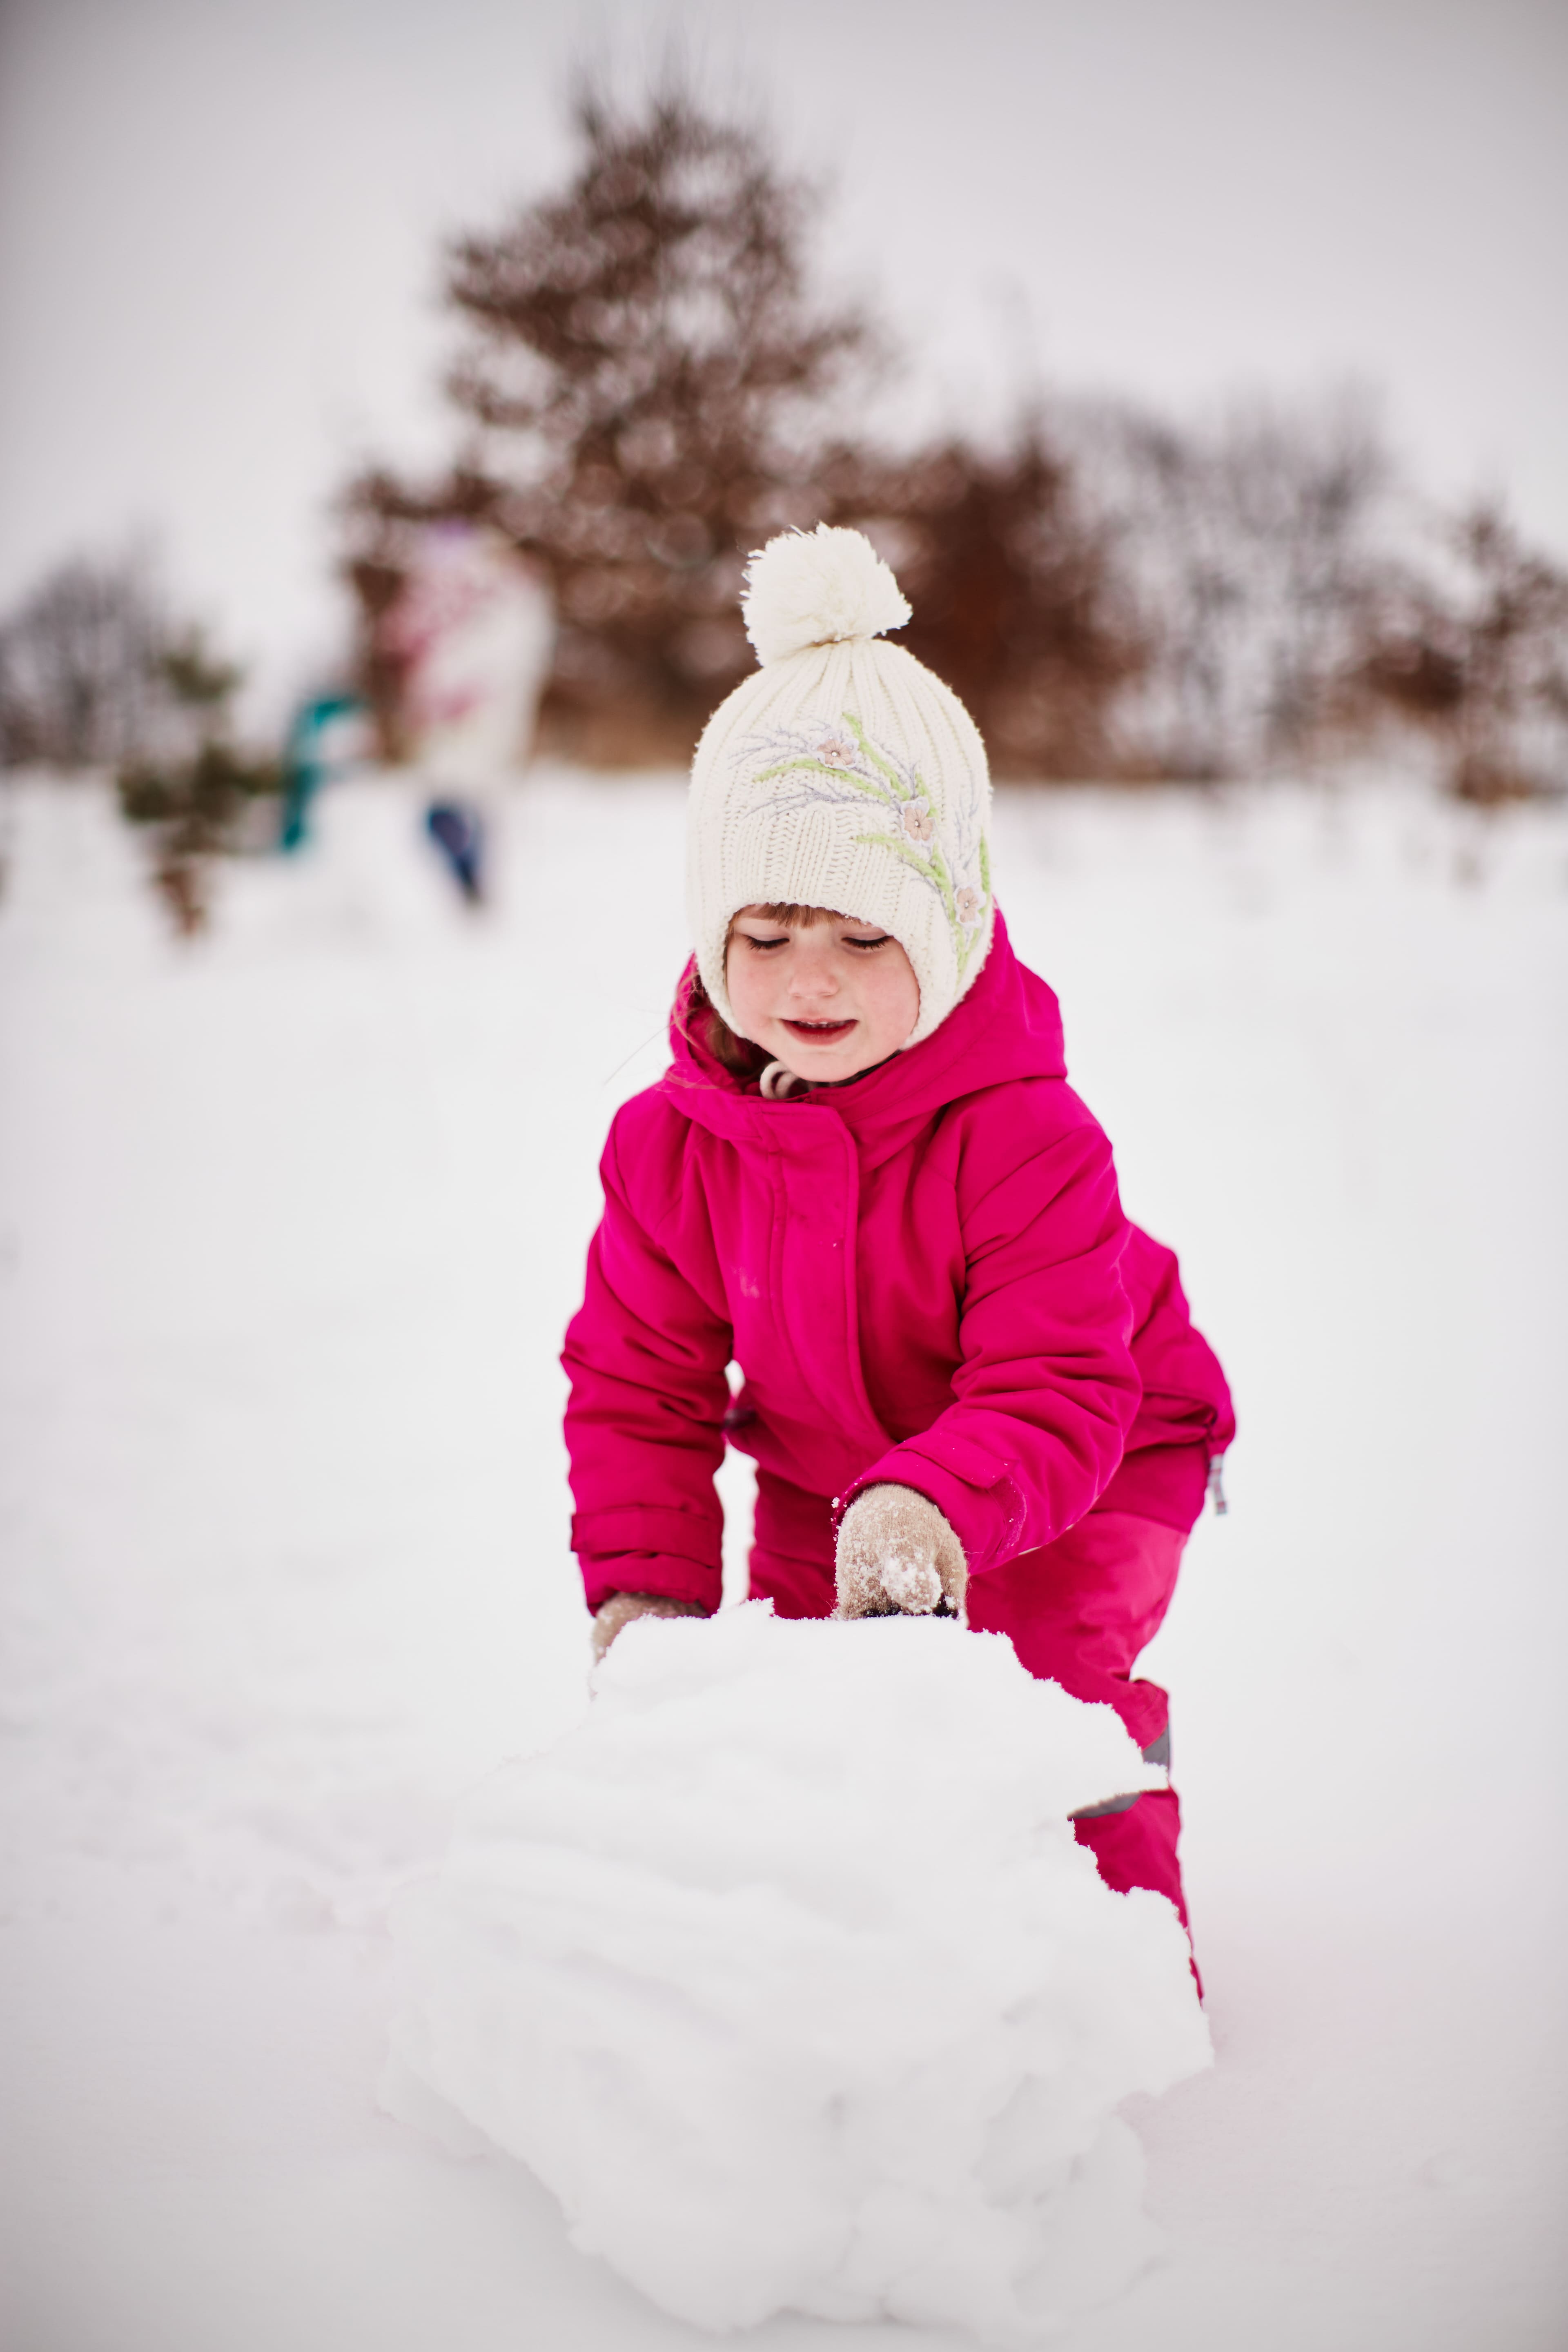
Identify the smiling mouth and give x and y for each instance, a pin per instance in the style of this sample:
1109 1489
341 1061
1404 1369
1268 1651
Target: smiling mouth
818 1032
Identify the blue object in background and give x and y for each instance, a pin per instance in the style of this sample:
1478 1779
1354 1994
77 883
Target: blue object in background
304 769
459 835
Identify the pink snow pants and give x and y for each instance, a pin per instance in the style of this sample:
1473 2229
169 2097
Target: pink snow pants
1078 1611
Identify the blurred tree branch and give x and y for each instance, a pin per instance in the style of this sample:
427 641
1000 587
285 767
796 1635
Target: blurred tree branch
646 388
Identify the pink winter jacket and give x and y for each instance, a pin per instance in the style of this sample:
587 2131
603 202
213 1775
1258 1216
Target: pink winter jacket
925 1276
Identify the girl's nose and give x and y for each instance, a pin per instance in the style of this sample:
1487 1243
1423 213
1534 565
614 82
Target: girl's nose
811 978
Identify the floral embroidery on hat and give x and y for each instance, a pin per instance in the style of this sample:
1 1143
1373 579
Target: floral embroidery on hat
837 763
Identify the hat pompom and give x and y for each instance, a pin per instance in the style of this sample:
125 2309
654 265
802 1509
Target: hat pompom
818 588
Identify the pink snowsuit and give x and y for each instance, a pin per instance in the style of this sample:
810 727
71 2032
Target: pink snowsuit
926 1276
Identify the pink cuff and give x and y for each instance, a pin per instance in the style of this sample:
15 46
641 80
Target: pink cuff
645 1571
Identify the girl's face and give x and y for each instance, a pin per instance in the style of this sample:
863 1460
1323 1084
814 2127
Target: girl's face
827 998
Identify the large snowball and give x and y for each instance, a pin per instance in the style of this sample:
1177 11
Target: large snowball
784 1971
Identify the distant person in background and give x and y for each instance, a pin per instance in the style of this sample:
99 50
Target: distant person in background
475 633
972 1388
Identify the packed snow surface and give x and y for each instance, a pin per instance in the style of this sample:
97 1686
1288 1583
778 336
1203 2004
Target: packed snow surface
290 1223
784 1972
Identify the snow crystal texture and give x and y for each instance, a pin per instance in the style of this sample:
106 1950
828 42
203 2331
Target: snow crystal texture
784 1972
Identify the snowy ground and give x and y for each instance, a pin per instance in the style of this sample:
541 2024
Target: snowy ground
290 1224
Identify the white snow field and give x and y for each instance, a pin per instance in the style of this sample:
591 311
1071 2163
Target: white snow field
289 1226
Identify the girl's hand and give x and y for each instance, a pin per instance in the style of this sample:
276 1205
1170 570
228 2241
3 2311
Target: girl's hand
898 1556
620 1609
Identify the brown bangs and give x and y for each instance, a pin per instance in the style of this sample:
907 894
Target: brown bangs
788 918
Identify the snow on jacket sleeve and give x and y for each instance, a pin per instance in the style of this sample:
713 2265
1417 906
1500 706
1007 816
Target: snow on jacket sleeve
1047 1390
646 1359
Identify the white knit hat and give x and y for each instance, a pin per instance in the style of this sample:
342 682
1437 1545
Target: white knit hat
843 774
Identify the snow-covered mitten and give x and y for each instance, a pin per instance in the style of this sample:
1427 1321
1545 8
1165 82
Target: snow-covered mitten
620 1609
896 1555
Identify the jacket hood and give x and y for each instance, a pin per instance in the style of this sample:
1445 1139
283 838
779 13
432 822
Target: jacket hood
1007 1026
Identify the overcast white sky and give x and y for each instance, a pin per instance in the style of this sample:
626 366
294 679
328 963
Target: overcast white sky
220 221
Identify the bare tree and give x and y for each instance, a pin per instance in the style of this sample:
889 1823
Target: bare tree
79 661
646 386
1249 553
1474 650
642 363
93 674
192 800
1017 601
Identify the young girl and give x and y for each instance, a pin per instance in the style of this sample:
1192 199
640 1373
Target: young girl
969 1384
